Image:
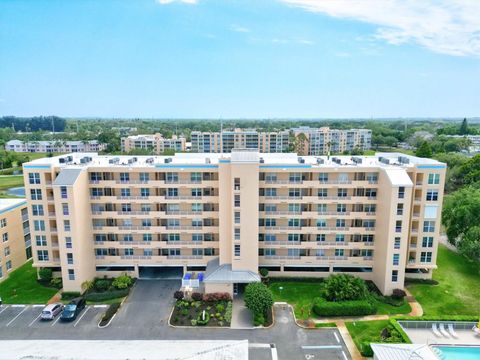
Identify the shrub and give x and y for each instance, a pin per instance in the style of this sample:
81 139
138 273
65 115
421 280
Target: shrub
263 272
258 320
344 287
101 284
200 321
122 282
178 295
366 349
258 298
197 296
112 309
220 307
56 282
45 274
106 295
228 312
87 285
219 296
184 312
343 308
398 294
193 322
68 295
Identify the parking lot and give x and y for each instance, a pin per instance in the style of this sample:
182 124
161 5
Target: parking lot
28 316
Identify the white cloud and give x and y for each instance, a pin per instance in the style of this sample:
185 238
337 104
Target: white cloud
305 42
164 2
444 26
238 28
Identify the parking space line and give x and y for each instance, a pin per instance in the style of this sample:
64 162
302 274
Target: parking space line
17 305
58 318
80 318
20 313
100 306
34 320
336 337
6 307
37 305
313 347
344 356
274 353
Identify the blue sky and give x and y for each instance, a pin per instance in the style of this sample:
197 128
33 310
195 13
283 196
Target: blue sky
240 59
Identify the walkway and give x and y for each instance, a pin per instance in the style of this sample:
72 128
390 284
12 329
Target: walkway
242 318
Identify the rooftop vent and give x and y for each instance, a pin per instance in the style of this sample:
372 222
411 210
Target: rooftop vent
114 160
384 160
357 160
167 160
403 160
320 161
262 160
301 160
150 160
207 161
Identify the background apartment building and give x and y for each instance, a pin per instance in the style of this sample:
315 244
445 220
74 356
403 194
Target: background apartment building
320 141
155 142
54 146
225 141
15 244
377 217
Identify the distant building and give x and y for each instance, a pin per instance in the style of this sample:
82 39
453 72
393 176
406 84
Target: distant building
474 141
225 141
156 143
15 244
54 146
319 141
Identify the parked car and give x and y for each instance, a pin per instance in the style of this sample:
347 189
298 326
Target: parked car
71 311
51 310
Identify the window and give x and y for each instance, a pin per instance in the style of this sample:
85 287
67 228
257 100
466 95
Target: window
396 243
427 241
144 192
3 223
197 237
197 207
399 209
322 192
396 259
126 207
5 237
341 208
147 237
340 238
295 177
63 192
36 194
398 226
340 223
425 257
65 209
394 275
342 192
8 265
174 252
144 177
294 237
197 222
433 179
339 252
171 177
270 222
323 177
197 192
270 192
147 252
429 226
401 192
124 177
172 192
127 237
269 208
237 200
41 240
237 233
196 177
173 237
270 252
270 237
295 193
146 222
68 242
128 252
270 178
370 208
432 195
66 225
236 185
125 192
34 178
39 225
37 210
237 217
294 208
321 223
293 222
293 252
371 193
71 274
197 252
42 255
237 250
145 207
321 208
70 258
321 237
6 251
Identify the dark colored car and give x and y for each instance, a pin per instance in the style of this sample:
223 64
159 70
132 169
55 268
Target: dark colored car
74 307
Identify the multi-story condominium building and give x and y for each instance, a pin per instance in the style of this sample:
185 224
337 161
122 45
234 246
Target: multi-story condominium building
155 142
473 139
227 215
54 146
15 247
320 141
225 141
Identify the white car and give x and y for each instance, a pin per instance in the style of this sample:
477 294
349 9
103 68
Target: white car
51 310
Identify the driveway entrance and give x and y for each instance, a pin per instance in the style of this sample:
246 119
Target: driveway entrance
160 272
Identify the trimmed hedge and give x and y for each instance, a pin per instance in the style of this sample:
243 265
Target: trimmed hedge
68 295
112 310
402 333
322 307
439 318
108 295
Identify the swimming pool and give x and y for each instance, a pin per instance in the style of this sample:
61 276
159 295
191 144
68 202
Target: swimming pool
459 352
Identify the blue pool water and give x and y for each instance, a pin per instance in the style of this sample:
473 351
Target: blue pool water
459 352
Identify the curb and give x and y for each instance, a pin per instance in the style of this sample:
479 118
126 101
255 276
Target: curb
113 317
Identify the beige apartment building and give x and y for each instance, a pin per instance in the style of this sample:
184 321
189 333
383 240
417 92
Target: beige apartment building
155 142
322 141
227 215
227 140
15 247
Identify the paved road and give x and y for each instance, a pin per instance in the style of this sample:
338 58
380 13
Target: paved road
144 316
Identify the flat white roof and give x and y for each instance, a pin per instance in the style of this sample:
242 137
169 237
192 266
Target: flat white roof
403 352
8 204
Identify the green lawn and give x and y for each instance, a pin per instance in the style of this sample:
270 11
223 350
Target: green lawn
21 287
365 330
301 295
458 291
9 181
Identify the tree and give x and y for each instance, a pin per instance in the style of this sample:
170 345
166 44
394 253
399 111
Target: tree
344 287
469 245
258 298
464 127
424 151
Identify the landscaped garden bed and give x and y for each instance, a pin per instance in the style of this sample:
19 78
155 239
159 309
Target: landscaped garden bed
213 310
109 314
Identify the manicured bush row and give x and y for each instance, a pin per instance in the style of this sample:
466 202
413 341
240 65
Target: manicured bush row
218 296
108 295
439 318
343 308
112 309
68 295
402 333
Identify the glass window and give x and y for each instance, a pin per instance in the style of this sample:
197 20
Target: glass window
237 217
429 226
322 192
42 255
432 195
340 223
427 241
237 250
433 179
124 177
41 240
39 225
144 192
66 225
321 237
396 259
63 192
321 223
323 177
394 275
147 237
340 238
425 257
70 258
339 252
237 200
398 226
196 177
8 265
396 244
401 192
341 208
36 194
144 176
37 210
342 192
65 209
71 274
34 178
68 242
399 209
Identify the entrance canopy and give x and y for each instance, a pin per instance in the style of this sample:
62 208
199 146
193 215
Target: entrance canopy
223 274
